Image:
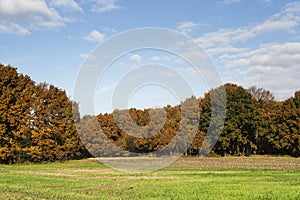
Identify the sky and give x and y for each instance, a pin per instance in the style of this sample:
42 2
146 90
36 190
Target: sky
250 43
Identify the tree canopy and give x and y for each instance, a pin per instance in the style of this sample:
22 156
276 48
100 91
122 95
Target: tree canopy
38 122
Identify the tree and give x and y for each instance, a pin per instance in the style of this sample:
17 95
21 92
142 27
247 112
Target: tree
36 121
261 95
15 106
241 122
284 135
54 133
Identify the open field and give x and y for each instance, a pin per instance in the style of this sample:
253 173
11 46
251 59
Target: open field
188 178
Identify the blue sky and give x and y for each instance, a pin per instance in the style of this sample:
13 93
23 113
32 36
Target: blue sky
250 42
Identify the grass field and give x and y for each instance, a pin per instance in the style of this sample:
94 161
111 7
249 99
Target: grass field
188 178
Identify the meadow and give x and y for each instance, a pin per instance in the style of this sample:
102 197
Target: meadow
188 178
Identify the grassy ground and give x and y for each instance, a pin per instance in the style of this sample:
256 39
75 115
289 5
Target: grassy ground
189 178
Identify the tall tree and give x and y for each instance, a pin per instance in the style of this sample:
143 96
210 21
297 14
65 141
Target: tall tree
36 121
284 136
241 122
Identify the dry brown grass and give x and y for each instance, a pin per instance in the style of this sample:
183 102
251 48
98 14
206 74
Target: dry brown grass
253 162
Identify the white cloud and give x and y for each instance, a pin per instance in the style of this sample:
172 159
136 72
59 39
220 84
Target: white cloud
33 14
103 89
165 73
231 1
189 71
109 30
84 55
69 5
136 58
101 6
285 21
273 66
284 55
292 7
166 58
155 58
95 36
13 28
240 62
266 1
186 26
225 50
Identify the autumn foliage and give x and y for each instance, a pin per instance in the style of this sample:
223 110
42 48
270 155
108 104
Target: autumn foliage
254 124
37 123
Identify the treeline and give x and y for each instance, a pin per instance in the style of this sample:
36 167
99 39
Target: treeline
255 124
36 121
136 134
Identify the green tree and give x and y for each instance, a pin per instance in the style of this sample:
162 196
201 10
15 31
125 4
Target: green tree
241 122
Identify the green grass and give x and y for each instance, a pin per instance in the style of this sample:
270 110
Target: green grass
91 180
